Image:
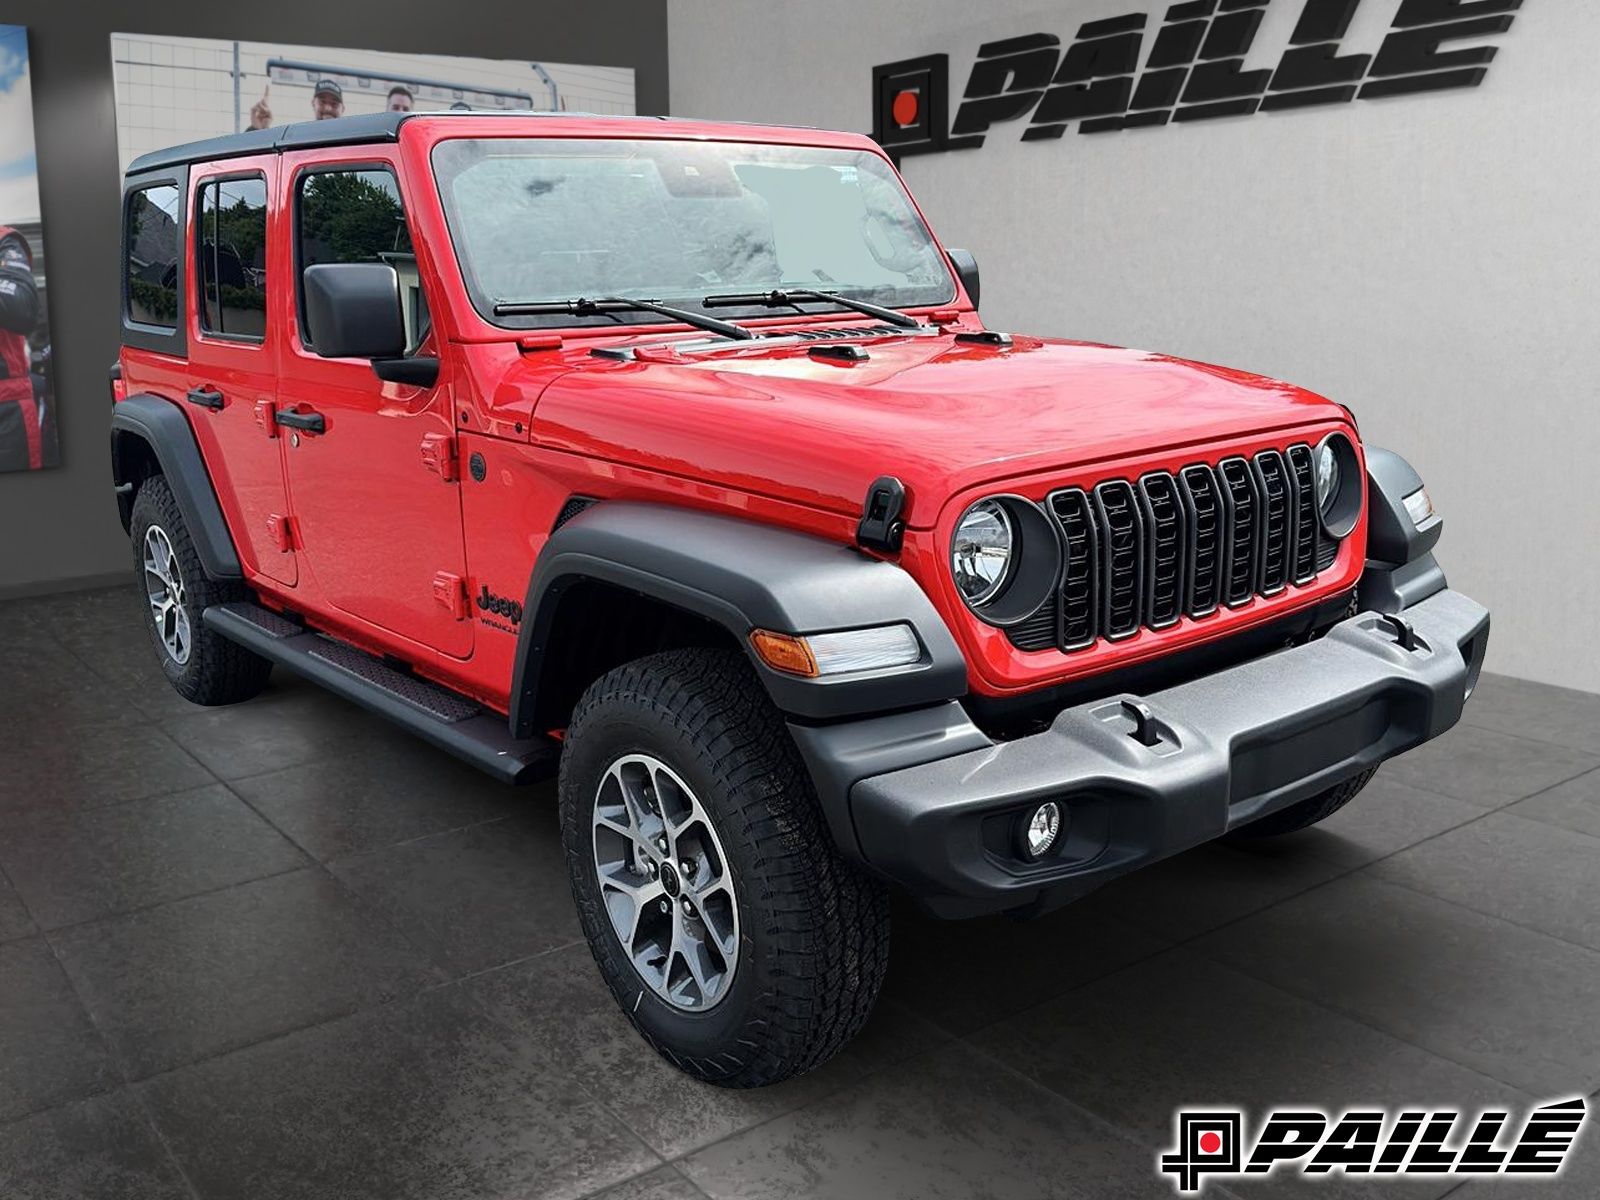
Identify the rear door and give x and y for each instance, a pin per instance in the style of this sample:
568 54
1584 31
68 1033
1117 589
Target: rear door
233 355
377 511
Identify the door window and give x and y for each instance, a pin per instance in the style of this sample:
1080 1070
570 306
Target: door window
355 216
231 250
152 256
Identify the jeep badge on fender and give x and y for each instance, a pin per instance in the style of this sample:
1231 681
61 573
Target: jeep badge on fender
672 459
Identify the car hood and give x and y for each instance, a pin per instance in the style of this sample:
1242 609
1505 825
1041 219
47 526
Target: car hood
940 414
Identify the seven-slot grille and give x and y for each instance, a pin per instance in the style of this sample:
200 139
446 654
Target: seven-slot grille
1145 554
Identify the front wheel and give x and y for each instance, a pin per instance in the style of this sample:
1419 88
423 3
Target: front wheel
731 932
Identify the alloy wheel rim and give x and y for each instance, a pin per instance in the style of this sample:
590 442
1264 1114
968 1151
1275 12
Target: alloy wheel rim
666 883
163 582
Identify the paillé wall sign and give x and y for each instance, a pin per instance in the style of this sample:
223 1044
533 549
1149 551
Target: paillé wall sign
1194 71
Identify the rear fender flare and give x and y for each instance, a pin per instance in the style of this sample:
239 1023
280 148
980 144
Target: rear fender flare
162 426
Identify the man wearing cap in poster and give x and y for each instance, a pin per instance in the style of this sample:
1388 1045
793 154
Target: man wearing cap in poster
327 102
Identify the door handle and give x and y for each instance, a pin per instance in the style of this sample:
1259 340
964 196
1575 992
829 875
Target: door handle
311 422
205 398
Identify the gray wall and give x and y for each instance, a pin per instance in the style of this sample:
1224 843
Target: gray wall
1430 261
59 528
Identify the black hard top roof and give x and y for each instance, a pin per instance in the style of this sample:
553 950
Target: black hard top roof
305 135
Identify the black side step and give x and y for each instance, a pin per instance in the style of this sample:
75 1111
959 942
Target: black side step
448 720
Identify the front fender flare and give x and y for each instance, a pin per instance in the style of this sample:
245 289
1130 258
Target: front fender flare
742 576
1401 570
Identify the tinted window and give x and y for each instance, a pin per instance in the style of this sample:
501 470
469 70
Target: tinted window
357 216
152 250
231 251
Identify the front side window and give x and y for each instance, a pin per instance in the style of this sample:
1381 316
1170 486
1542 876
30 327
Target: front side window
356 216
542 220
231 253
151 250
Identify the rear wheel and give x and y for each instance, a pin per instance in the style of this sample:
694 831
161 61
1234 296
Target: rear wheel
731 932
203 666
1306 813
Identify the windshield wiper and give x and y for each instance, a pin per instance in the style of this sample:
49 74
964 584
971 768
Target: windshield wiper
786 298
582 307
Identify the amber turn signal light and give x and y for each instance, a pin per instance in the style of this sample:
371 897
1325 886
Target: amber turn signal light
784 652
842 652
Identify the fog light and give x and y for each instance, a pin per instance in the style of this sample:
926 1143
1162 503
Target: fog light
1039 834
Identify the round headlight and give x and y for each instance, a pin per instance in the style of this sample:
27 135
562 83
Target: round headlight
1341 486
980 554
1327 477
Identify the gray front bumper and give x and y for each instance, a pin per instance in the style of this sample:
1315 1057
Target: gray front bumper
1228 747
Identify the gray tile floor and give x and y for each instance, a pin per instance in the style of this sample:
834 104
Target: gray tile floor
282 950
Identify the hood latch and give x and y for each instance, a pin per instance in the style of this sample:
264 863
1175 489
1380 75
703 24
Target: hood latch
881 527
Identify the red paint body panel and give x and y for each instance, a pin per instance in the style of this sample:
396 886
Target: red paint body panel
376 524
767 433
940 415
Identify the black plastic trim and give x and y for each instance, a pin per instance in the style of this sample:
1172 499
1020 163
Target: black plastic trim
479 739
1392 539
161 424
1391 589
1187 764
742 576
965 264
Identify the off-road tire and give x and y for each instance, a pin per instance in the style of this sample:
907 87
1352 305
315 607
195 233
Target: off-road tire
217 671
1306 813
813 928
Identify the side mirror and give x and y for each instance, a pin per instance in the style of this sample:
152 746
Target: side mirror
967 271
353 310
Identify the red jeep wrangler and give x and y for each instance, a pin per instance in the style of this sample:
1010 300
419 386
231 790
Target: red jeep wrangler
674 456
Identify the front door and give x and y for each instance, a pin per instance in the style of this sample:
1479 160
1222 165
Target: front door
378 524
233 357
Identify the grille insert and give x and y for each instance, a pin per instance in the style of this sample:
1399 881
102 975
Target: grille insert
1208 541
1121 551
1164 549
1277 522
1145 554
1242 501
1080 582
1307 527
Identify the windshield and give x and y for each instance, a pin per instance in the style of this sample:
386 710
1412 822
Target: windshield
540 220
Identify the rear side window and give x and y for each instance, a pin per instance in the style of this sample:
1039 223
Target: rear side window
231 256
357 216
151 250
